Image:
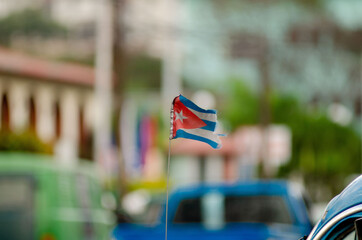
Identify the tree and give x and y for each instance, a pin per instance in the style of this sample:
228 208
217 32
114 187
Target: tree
26 141
29 23
323 152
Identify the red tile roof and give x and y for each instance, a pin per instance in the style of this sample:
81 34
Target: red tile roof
21 65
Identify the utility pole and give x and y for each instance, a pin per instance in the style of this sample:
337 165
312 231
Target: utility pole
171 60
361 103
255 47
103 87
119 81
264 110
264 91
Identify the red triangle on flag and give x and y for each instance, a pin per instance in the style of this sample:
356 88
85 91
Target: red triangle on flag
184 118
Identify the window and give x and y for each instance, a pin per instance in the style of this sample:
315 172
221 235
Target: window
247 45
189 211
16 207
15 193
5 113
264 209
343 231
236 208
32 114
58 123
350 236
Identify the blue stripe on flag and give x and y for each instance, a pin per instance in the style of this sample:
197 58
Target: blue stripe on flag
183 134
210 125
193 106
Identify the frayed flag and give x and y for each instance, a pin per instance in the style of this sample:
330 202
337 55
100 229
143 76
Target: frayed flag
192 122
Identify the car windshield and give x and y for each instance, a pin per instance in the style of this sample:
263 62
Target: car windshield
261 209
265 209
16 207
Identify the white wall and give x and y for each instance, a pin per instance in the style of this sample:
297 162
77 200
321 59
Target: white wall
67 146
184 170
72 13
8 6
45 112
214 169
45 95
18 98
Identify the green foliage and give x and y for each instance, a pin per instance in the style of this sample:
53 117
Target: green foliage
241 107
322 151
28 23
311 3
143 72
26 141
89 61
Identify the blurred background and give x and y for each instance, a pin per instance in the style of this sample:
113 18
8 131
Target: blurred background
94 80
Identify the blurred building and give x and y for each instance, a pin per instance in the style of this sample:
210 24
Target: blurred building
61 95
69 13
312 52
53 99
76 18
7 7
238 159
148 26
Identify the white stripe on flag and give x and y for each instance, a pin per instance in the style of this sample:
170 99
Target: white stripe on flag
205 116
204 133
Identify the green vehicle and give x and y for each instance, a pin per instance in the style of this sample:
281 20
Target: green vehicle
39 200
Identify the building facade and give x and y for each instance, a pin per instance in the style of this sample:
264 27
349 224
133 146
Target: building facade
55 100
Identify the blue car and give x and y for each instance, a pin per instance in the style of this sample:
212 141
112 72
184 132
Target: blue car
255 210
343 215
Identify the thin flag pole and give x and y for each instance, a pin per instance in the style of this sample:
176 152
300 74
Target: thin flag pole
168 178
361 106
168 167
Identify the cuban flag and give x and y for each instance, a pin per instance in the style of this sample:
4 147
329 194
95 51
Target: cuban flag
192 122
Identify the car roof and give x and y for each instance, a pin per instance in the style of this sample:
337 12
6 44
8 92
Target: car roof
290 192
349 197
36 163
248 187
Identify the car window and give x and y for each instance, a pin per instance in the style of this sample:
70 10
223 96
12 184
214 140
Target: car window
342 231
15 193
236 208
264 209
16 207
189 211
350 236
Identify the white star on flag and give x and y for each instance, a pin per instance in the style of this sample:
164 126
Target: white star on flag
199 125
179 115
